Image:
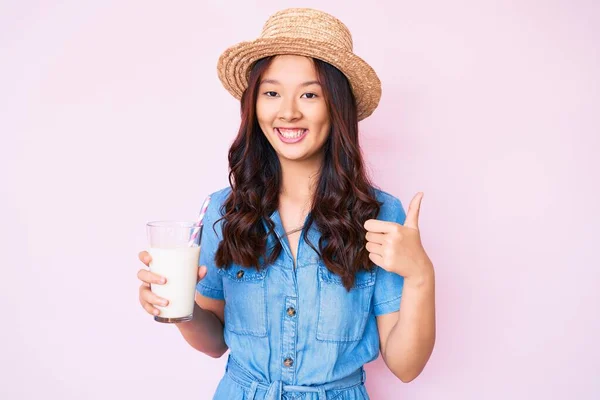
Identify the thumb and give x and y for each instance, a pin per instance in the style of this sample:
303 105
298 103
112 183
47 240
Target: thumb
412 217
202 272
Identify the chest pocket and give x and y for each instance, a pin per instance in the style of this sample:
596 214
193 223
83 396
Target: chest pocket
245 300
343 315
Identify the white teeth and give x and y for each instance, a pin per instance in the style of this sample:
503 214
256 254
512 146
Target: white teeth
291 134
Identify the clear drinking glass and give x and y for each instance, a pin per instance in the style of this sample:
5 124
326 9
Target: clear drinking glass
175 251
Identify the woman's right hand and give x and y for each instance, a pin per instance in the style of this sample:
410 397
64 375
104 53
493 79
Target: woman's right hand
149 300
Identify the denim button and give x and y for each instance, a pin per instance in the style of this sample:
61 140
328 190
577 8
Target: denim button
291 312
288 362
240 274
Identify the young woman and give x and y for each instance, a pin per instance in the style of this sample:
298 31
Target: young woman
307 270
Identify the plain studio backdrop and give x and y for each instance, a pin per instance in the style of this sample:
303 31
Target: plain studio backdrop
111 115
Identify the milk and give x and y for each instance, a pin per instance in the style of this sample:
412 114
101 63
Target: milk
180 267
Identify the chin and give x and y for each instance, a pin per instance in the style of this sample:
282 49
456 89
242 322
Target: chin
293 157
297 156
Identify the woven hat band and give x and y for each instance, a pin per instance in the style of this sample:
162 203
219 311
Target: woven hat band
314 26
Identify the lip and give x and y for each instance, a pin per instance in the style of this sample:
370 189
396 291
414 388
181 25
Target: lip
291 141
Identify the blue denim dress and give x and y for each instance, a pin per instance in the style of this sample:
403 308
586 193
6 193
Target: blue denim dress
296 333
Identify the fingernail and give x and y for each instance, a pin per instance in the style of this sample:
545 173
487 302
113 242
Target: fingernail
156 312
164 302
163 280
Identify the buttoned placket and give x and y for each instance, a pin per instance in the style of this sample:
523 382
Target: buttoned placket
290 340
290 312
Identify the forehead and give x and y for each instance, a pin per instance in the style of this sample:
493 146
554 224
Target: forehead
291 69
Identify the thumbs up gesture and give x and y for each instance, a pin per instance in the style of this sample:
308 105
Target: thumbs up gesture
397 248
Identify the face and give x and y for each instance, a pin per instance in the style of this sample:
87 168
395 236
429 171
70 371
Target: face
291 109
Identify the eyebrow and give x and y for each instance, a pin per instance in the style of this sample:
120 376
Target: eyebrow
275 82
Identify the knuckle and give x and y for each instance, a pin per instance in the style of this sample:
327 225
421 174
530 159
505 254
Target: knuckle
147 295
153 299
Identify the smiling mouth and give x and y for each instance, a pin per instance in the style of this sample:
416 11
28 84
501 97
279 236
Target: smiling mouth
291 133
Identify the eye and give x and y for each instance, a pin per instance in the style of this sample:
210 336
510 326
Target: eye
314 96
271 94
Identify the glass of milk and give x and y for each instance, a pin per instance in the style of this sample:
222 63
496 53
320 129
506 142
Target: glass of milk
175 251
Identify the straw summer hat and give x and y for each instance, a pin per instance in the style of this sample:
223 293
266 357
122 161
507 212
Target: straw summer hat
304 32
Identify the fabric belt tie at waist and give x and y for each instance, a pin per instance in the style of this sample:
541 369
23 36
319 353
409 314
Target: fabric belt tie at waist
276 389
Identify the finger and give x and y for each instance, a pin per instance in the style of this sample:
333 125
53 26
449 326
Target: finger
377 259
202 271
378 238
150 277
145 257
149 309
379 226
145 305
374 248
412 217
149 297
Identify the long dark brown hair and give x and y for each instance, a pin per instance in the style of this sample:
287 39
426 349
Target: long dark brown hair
344 197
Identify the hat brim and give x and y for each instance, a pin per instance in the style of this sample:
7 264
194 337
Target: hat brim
234 65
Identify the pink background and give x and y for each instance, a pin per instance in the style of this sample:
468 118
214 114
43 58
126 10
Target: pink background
111 114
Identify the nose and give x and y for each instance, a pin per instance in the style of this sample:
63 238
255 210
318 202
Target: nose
289 110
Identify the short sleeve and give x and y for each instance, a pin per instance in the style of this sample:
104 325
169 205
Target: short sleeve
388 285
212 283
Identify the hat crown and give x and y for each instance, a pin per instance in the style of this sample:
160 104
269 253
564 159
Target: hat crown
307 23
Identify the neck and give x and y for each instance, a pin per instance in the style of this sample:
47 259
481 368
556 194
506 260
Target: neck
299 180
